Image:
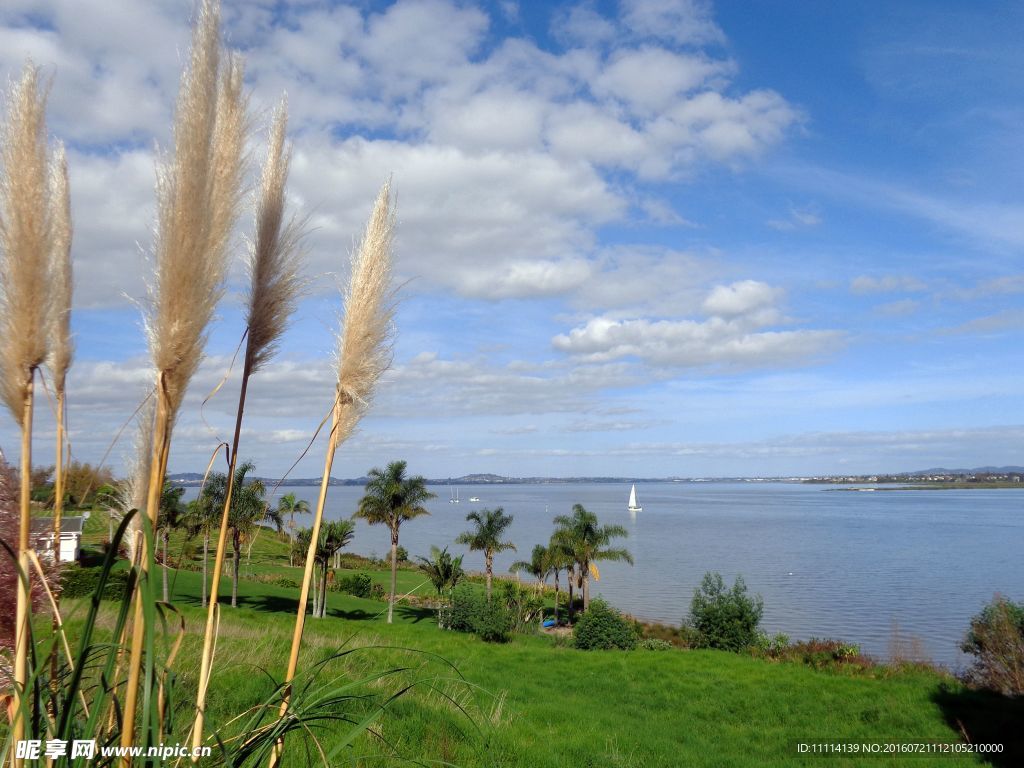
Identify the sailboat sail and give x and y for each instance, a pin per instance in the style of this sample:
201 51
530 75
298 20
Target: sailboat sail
633 506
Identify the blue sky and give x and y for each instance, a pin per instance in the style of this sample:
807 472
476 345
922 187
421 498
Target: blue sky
647 237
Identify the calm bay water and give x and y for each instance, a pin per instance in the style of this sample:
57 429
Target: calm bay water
828 563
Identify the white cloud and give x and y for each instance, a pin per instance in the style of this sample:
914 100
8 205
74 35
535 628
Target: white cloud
689 343
740 298
681 21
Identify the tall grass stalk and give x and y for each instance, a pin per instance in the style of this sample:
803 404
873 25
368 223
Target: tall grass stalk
274 260
364 353
62 349
198 192
26 248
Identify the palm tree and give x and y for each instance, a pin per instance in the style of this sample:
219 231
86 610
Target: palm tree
580 536
560 560
444 572
333 536
392 498
170 515
248 509
202 517
289 505
539 566
490 525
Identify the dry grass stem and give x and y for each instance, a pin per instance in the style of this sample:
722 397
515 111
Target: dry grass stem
274 287
364 353
198 194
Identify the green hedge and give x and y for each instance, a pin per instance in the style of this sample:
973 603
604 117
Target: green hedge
82 582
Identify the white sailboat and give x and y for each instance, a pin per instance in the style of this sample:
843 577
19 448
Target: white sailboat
633 505
455 497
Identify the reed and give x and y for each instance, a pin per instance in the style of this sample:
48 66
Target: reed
62 348
198 194
364 353
274 285
26 247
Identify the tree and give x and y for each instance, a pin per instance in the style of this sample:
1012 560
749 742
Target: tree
725 619
291 506
586 543
444 572
539 566
333 536
203 517
170 516
486 537
561 560
248 510
391 498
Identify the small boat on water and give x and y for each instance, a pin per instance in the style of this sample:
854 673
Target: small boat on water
474 498
634 505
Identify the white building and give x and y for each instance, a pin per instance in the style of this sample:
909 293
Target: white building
70 537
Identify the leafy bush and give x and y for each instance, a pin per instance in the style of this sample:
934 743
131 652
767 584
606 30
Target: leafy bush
996 641
402 555
723 618
524 605
825 654
82 582
470 612
772 647
655 644
494 622
284 581
602 627
377 592
357 584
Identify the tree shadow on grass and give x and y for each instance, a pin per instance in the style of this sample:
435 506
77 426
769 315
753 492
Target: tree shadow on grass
985 718
414 614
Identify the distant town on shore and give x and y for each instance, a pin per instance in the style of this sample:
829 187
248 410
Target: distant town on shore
939 477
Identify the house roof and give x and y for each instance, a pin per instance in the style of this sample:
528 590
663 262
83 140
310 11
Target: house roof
41 526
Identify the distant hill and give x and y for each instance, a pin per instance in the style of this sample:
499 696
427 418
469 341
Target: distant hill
975 471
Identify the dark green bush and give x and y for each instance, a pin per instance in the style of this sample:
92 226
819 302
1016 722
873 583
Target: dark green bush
377 592
470 612
401 555
357 584
284 581
996 641
82 582
602 627
723 618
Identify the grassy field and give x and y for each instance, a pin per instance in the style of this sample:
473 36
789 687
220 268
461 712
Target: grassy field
534 703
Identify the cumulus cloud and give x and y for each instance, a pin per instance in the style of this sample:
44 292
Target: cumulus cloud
734 335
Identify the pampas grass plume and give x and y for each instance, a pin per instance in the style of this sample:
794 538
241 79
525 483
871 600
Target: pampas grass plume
25 240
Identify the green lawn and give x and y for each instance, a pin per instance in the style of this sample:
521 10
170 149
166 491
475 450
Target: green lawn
534 704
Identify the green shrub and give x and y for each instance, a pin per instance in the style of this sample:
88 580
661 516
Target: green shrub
523 604
401 555
357 584
284 581
655 644
996 641
773 647
470 612
82 582
602 627
725 619
377 592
